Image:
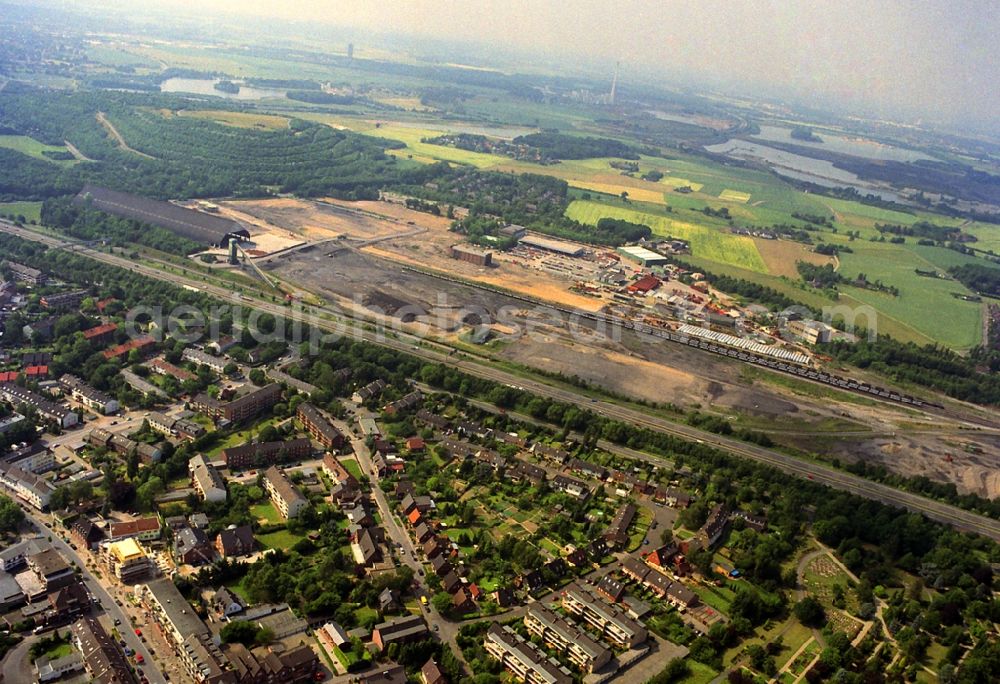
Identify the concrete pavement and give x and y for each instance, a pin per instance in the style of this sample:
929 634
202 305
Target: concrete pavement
17 667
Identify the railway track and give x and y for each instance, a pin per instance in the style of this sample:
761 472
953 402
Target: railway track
783 366
434 352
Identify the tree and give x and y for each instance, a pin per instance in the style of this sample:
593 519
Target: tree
676 670
146 493
442 602
243 632
11 515
809 612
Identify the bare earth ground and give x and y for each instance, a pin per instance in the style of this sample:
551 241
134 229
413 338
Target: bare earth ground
430 249
780 256
376 278
396 211
315 221
928 455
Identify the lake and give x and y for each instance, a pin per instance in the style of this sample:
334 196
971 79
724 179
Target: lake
206 86
858 147
799 167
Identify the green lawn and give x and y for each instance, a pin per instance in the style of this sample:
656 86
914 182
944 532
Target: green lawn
33 148
62 650
700 673
267 511
238 589
353 467
282 539
714 597
954 323
714 244
31 211
364 613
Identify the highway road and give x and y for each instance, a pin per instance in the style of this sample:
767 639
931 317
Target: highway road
98 591
430 351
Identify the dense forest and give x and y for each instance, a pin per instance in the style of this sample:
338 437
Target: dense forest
978 278
184 156
562 146
824 276
925 229
624 231
531 200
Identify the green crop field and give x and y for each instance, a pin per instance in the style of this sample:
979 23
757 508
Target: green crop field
708 243
925 305
987 234
32 148
32 211
734 195
116 57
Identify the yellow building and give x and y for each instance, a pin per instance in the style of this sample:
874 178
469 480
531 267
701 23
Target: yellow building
127 560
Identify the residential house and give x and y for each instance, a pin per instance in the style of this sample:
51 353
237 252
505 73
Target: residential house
285 496
400 631
461 602
262 454
192 547
226 603
235 542
319 426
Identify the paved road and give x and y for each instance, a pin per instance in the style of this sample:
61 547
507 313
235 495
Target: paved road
98 590
446 630
16 667
432 351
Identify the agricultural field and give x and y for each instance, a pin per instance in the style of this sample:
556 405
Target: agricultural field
411 136
954 323
706 243
675 182
31 211
118 57
33 148
780 256
236 119
735 196
637 194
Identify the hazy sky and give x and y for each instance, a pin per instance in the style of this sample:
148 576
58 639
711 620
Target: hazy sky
939 57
